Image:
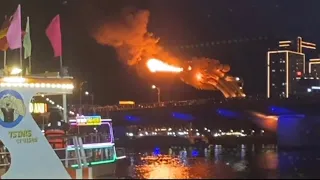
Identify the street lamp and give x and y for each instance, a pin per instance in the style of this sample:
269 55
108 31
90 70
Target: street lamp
92 97
158 89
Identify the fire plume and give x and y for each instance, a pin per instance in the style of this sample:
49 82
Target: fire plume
127 33
203 74
155 65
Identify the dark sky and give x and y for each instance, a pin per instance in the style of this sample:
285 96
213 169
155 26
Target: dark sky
178 23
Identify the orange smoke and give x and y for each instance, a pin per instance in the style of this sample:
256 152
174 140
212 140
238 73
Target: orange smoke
128 34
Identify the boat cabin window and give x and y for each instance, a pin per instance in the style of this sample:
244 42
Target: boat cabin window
96 154
92 134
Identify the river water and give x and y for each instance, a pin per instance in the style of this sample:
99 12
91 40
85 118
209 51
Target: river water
221 162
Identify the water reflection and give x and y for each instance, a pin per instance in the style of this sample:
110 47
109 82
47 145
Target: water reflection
224 162
162 167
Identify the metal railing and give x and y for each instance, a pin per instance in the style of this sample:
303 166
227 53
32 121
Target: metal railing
79 159
192 102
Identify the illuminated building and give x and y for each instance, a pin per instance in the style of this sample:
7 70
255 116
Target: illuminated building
314 67
284 67
297 45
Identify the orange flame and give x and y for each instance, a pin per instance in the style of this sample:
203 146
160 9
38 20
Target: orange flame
199 76
155 65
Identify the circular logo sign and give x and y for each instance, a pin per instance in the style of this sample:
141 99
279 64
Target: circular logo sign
12 108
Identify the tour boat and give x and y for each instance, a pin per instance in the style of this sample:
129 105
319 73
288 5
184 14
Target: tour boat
98 147
26 152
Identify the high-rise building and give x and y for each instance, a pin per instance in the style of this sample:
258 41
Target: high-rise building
314 67
284 67
298 45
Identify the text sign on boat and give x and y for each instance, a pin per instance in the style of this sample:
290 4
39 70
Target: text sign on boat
88 120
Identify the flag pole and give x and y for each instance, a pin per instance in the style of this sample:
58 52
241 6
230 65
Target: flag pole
5 52
61 63
4 59
21 40
21 58
30 64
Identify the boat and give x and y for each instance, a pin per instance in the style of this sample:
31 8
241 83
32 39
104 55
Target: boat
97 146
25 153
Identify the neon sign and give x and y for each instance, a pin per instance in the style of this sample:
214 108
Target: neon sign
88 120
38 108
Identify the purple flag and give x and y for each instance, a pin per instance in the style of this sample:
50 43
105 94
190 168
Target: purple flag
14 30
54 34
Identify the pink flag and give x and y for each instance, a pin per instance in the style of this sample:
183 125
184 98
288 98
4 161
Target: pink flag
54 34
14 30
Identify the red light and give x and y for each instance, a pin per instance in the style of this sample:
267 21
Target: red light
299 73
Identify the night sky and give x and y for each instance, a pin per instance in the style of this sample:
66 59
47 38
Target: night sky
178 23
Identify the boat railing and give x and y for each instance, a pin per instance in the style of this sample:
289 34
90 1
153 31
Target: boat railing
72 154
78 154
121 153
94 138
